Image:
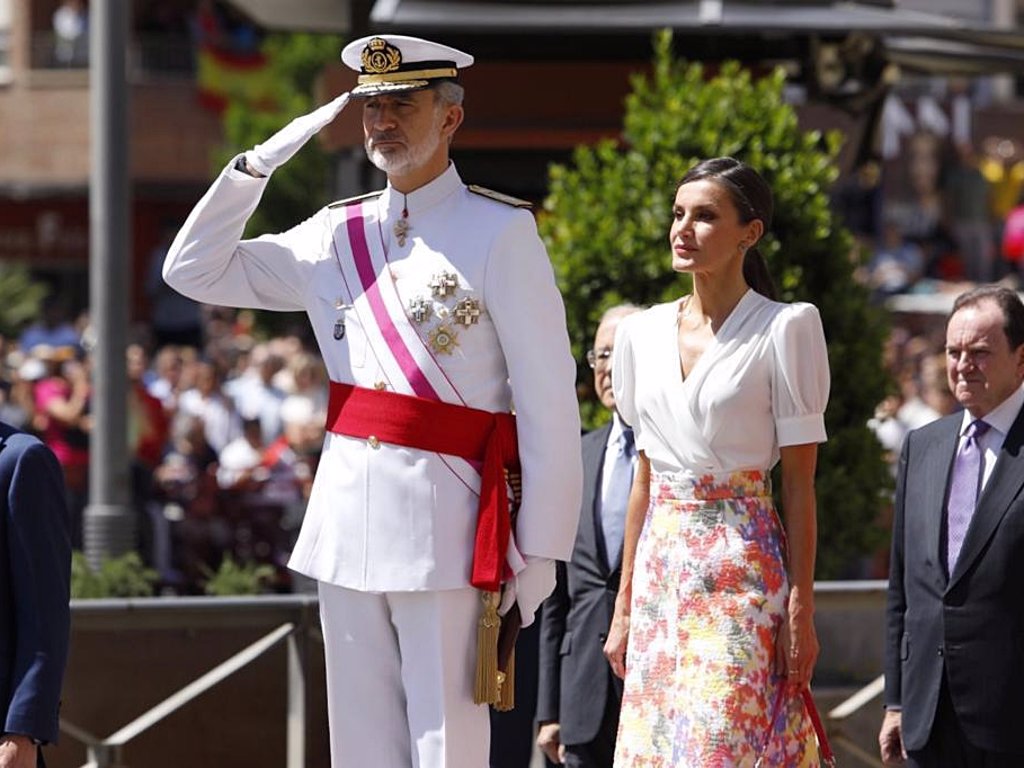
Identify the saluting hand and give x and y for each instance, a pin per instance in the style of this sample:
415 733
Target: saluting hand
279 148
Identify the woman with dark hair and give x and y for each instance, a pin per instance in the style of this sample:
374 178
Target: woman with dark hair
716 606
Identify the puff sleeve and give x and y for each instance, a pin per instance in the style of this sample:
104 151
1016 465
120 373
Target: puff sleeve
800 379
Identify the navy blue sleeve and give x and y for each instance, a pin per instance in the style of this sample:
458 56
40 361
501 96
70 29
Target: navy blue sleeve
39 558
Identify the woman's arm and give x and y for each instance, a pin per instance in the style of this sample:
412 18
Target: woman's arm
636 510
70 409
797 648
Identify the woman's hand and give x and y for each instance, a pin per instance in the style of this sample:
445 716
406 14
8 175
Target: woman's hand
618 637
796 647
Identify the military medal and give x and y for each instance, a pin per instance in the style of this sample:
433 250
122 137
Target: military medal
443 340
402 226
419 309
467 311
444 283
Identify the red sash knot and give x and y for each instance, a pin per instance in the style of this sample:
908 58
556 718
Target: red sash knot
456 430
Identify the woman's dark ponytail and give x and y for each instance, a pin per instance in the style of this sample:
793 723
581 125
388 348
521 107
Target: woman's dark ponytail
755 272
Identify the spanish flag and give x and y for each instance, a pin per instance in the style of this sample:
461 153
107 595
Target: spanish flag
223 75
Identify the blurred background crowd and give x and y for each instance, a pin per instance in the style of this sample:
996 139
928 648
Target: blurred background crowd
224 432
958 216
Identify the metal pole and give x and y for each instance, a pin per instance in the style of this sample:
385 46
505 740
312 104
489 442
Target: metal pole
295 738
109 525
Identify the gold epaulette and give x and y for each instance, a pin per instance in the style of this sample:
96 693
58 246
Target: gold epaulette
356 199
499 197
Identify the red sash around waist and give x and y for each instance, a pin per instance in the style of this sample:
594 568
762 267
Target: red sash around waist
456 430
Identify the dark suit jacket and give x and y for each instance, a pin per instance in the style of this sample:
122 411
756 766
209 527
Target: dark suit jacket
575 678
35 572
969 624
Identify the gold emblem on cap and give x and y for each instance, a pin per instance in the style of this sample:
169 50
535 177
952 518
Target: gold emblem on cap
380 56
443 340
467 311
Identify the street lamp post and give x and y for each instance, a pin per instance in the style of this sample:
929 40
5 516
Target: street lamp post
109 525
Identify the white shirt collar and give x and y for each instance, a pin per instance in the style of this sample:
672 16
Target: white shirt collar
1001 417
423 198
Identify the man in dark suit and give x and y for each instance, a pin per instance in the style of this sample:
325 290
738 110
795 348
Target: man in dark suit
579 697
954 672
35 574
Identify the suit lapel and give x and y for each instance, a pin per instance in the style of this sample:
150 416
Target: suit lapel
1003 486
938 463
590 519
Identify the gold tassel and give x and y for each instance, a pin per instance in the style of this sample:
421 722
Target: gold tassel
507 686
487 687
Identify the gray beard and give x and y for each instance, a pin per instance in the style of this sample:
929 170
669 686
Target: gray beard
414 156
407 161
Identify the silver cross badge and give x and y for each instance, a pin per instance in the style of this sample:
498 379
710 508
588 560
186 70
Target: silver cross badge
444 283
419 309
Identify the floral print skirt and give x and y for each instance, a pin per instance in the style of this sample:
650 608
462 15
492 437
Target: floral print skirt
709 594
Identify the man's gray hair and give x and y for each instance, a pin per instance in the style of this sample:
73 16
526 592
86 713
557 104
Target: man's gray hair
449 94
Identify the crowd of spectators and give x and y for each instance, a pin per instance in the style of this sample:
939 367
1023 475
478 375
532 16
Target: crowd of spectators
940 217
224 435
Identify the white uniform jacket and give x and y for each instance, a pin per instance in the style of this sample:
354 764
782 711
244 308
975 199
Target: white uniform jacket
388 518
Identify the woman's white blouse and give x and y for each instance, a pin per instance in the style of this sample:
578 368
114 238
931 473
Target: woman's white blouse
761 383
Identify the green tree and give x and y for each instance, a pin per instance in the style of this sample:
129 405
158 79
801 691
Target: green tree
20 298
298 187
606 225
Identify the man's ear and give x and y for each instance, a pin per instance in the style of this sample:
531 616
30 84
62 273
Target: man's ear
453 117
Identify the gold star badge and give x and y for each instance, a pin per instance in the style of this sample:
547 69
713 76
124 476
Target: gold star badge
467 311
443 340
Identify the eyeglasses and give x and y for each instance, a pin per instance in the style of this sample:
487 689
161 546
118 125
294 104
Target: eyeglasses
595 356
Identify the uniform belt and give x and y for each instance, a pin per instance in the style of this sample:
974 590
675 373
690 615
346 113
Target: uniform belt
456 430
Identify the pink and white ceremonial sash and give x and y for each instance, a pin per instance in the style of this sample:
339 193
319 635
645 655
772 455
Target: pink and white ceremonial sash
408 363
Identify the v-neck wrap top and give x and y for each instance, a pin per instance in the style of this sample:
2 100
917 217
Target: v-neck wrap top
761 383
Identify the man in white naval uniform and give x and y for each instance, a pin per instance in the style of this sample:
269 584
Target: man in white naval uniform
427 291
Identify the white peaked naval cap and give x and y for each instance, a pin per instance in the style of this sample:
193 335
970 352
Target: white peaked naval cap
395 63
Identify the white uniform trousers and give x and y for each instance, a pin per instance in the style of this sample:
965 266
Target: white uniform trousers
400 672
